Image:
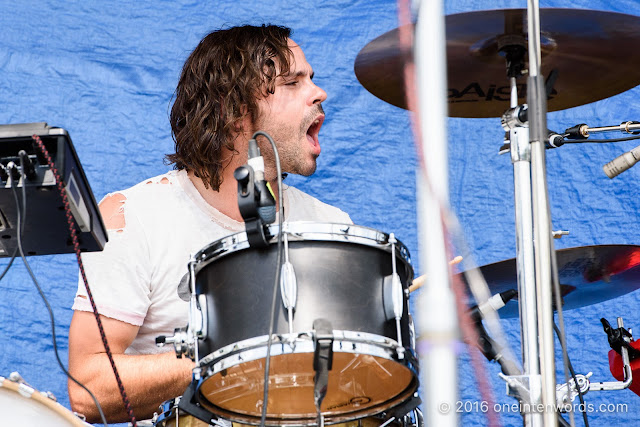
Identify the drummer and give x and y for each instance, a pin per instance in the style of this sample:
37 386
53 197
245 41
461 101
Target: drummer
237 81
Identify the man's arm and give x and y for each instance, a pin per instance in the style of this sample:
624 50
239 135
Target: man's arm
149 380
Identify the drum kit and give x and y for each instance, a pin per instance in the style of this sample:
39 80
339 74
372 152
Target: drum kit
346 274
359 279
343 330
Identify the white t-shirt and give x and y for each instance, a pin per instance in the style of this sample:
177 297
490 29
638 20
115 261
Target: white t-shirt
135 279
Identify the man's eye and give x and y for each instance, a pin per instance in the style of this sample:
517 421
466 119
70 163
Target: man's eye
292 83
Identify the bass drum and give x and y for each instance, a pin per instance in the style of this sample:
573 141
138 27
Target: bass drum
344 275
22 405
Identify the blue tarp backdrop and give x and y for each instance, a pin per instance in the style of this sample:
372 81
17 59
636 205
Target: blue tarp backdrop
106 72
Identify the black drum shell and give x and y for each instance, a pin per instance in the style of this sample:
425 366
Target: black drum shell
338 280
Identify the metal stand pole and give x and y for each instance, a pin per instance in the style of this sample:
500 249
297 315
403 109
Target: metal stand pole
536 388
438 323
537 101
521 159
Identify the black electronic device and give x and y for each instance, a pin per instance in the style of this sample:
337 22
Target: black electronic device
46 230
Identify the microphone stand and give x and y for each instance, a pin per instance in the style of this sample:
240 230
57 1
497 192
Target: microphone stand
582 131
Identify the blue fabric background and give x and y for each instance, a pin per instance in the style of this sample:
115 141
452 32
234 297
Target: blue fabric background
106 72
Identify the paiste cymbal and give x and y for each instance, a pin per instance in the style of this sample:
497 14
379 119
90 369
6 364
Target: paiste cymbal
592 51
588 275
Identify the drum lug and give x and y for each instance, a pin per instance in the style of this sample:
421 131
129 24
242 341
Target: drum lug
392 294
199 318
288 285
197 327
412 333
397 294
25 389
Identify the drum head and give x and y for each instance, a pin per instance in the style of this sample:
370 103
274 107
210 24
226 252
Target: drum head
359 385
25 407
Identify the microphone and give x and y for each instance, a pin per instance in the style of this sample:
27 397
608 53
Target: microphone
496 302
266 201
622 163
487 346
493 352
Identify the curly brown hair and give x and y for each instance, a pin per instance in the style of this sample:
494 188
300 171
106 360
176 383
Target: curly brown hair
219 87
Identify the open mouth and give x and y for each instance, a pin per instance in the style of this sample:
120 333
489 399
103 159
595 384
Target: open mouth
313 130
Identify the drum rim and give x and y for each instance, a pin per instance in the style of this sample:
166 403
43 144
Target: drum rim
306 231
387 346
43 399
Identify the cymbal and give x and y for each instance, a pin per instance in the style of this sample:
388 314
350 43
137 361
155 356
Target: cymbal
591 50
588 275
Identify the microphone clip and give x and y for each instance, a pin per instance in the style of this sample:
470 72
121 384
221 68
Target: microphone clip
249 204
618 338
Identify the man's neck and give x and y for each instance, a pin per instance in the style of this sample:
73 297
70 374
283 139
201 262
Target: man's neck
225 199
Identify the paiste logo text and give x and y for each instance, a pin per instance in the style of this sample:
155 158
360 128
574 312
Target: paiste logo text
475 92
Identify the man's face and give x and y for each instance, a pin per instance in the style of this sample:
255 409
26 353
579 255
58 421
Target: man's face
292 116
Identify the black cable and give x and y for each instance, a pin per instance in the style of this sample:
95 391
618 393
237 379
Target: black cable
563 422
274 299
557 301
581 141
37 285
6 269
573 375
22 154
76 246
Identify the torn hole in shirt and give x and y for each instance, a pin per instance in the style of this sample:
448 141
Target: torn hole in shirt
112 211
163 180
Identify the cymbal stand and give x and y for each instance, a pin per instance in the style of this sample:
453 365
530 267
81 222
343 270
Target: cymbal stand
527 301
533 235
543 243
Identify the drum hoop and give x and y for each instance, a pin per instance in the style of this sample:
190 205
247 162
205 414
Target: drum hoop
39 397
302 231
343 342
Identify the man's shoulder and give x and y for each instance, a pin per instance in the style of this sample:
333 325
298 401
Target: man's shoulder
155 193
305 207
158 181
297 195
151 188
